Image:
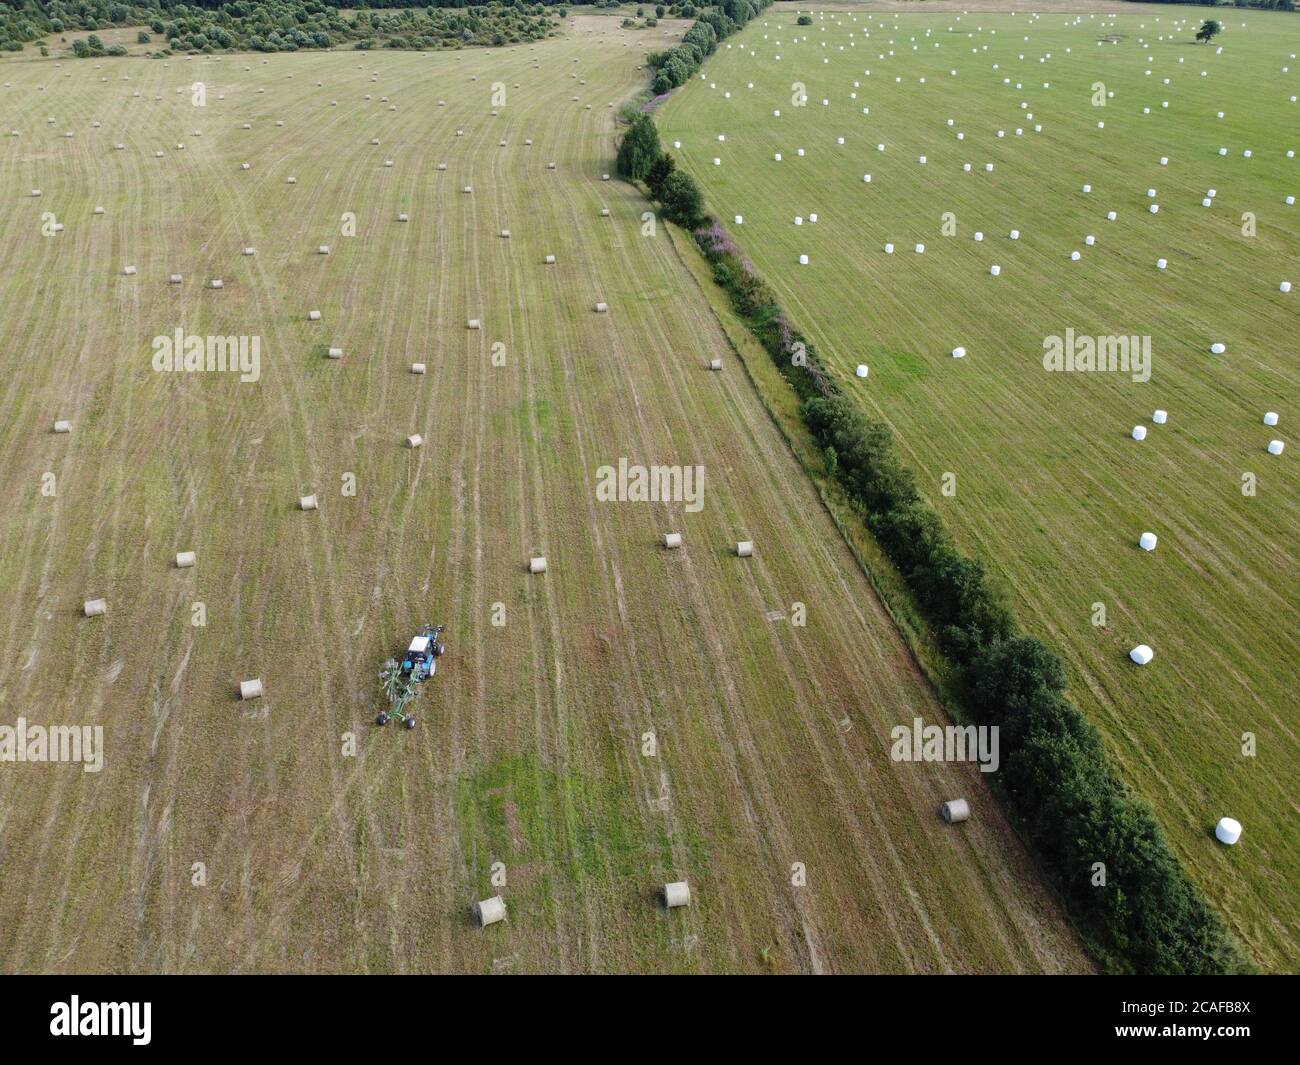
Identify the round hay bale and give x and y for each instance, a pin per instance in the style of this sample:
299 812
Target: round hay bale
490 911
959 353
175 279
1217 349
715 364
307 503
473 323
417 367
1228 831
672 540
1139 432
862 369
216 282
537 565
335 353
62 427
185 559
550 260
1160 417
1276 447
93 608
1147 541
1141 654
313 316
250 689
955 810
601 308
744 548
414 440
677 894
1270 417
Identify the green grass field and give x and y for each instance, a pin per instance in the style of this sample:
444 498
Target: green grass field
1050 489
771 739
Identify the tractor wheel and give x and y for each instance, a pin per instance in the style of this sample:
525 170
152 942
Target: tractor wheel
382 719
410 722
437 650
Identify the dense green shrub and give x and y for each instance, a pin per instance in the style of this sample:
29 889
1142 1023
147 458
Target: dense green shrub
639 149
683 202
658 173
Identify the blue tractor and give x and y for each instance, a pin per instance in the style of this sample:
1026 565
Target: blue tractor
401 680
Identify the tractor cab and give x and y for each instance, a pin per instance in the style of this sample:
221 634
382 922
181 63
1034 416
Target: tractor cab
419 661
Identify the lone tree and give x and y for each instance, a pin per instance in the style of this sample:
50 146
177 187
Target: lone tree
1209 30
640 148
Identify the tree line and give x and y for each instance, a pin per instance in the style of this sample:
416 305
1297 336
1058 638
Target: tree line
276 25
1266 5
